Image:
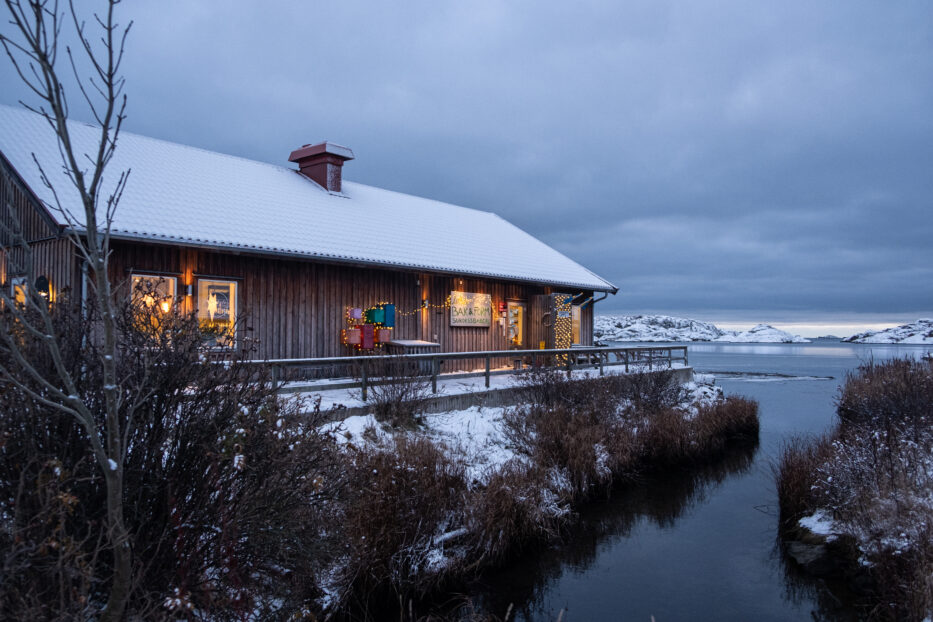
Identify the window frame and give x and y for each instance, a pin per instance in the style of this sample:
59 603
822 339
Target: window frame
576 325
219 342
156 277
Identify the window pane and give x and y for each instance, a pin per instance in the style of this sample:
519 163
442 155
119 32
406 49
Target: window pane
576 324
18 289
516 324
154 290
217 311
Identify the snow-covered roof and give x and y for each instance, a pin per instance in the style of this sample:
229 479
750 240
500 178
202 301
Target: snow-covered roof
185 195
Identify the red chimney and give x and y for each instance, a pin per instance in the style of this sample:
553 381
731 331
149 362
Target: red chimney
322 163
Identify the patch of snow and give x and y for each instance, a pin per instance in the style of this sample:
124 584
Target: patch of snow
358 430
819 523
475 436
111 464
919 332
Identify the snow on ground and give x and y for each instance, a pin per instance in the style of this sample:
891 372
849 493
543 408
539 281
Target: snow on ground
703 391
646 328
821 524
475 436
351 398
919 332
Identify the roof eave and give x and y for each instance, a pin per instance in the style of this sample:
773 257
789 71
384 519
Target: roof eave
608 287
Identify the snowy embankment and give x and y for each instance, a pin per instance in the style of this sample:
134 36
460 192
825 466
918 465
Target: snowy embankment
858 501
919 332
448 493
647 328
475 437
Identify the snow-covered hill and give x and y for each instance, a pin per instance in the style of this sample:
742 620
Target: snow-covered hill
920 331
665 328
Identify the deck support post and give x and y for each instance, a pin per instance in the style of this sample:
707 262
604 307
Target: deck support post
487 371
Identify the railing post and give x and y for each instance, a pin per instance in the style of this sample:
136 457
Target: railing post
626 361
599 357
487 370
670 353
364 389
569 364
434 370
685 357
275 377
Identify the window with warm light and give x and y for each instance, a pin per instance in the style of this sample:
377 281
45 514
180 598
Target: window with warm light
516 319
18 285
217 308
155 291
576 313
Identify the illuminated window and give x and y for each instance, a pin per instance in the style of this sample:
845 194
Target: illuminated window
18 289
155 291
217 311
577 312
516 324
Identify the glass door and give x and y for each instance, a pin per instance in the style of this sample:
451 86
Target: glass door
516 325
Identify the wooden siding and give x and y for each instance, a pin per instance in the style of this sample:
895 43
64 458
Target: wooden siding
20 212
296 309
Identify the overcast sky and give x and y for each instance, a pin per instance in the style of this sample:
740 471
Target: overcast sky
726 160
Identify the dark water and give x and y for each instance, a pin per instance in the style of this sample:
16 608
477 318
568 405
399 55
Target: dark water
698 546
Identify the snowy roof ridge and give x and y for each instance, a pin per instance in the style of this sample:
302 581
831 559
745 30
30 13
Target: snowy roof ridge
190 195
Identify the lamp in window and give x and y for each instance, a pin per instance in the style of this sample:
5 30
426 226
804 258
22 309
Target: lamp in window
165 305
43 287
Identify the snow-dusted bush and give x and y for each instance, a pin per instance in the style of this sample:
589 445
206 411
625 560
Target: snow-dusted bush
873 480
223 483
397 389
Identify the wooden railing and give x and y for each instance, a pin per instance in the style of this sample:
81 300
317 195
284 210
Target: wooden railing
430 364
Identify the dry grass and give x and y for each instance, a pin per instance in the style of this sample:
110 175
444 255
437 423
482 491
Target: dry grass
400 499
874 475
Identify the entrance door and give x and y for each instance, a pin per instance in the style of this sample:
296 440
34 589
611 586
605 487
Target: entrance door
516 325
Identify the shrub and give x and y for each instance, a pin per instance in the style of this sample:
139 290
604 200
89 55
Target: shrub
397 390
223 483
874 475
400 498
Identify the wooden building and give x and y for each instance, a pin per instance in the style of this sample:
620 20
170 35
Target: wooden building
297 258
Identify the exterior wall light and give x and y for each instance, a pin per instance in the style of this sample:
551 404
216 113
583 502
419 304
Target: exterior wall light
43 287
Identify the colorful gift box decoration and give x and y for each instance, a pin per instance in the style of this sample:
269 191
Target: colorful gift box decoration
353 336
389 320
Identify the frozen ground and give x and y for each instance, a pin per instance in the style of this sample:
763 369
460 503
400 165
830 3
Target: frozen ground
475 435
351 398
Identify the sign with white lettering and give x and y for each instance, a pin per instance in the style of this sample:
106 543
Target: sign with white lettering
469 309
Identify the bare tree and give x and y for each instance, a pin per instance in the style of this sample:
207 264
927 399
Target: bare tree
35 51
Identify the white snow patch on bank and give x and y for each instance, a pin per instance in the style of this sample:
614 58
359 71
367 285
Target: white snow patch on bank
821 524
475 436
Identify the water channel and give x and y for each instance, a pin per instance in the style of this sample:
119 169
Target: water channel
698 546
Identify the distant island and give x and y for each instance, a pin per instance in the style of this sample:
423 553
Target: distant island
919 332
666 328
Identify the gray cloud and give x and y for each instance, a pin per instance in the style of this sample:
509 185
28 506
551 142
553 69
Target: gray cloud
749 157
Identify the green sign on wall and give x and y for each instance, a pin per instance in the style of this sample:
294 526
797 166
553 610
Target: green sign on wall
469 309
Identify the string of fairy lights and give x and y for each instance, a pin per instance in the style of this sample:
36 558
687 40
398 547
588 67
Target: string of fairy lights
373 327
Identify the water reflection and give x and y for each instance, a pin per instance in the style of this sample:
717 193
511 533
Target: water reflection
659 500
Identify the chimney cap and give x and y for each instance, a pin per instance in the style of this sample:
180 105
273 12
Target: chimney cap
324 148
